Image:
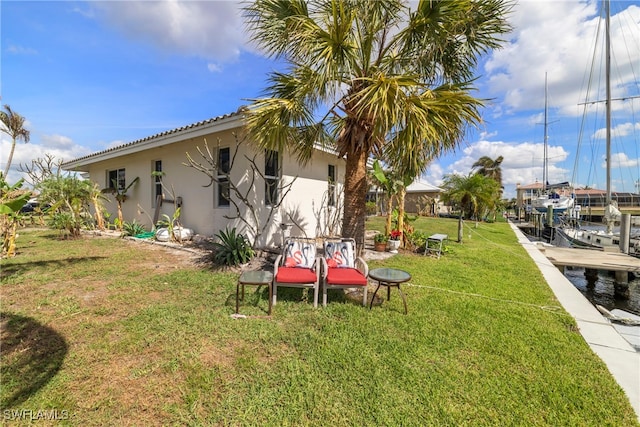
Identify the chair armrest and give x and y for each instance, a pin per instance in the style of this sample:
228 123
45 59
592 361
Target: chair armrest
276 265
325 267
362 266
317 264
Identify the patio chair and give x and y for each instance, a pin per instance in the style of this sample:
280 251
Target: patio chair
297 267
341 269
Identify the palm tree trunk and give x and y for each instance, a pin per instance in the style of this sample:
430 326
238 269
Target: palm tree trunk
10 159
11 247
401 196
99 218
120 217
387 225
355 194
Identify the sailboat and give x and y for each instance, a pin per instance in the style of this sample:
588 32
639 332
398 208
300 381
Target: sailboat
559 203
602 238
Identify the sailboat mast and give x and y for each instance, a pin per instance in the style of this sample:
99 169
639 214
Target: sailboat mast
608 108
545 170
608 94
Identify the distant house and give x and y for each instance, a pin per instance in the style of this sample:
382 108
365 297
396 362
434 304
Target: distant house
421 197
590 200
525 193
272 188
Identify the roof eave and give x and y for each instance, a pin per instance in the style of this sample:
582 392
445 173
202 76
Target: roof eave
218 124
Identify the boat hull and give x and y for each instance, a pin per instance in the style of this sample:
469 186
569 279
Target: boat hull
561 204
597 239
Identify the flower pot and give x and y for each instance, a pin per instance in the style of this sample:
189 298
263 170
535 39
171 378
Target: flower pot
380 246
393 246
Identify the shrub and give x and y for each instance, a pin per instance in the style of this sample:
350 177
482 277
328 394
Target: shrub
132 228
68 224
380 238
416 240
371 208
233 249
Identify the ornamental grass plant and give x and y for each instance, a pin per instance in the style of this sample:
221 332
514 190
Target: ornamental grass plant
113 332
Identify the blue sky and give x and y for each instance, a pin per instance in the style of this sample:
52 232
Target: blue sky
92 75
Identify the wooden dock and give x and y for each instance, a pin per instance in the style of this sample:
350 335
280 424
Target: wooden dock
594 259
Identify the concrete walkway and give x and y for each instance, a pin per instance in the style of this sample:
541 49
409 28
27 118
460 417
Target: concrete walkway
620 357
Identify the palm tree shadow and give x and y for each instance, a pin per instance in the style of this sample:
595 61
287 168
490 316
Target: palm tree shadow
31 356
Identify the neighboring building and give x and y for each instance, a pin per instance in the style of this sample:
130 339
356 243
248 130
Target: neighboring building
281 190
591 201
421 198
525 193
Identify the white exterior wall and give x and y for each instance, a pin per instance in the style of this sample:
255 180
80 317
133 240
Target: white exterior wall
304 205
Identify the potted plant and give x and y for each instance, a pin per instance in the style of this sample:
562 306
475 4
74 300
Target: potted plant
394 241
380 242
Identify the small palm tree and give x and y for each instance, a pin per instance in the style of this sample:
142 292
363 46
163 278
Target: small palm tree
13 125
472 193
120 194
98 198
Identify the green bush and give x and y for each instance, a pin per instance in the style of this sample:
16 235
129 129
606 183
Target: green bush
416 240
371 208
132 228
380 238
233 249
68 224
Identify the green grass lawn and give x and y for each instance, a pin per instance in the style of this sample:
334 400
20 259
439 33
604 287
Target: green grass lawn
113 332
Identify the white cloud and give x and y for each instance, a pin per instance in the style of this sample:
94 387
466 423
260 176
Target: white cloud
522 164
207 29
623 129
433 174
59 146
21 50
214 68
623 161
556 38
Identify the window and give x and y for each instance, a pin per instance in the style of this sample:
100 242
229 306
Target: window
116 179
331 193
224 167
157 181
271 177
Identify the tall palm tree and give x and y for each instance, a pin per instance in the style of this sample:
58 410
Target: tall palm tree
490 168
12 125
363 74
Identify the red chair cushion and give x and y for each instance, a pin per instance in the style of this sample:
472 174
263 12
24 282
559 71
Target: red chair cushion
295 275
346 276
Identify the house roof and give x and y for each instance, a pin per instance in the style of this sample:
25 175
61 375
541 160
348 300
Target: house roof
602 193
538 186
215 124
194 130
576 191
420 186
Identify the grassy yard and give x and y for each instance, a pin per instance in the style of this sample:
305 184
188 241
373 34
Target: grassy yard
113 332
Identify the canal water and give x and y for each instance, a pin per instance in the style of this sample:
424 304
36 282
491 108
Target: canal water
602 292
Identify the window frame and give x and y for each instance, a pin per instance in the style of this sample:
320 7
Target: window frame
331 185
271 177
223 167
120 177
157 182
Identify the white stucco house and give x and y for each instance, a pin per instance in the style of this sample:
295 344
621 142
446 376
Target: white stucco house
278 189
